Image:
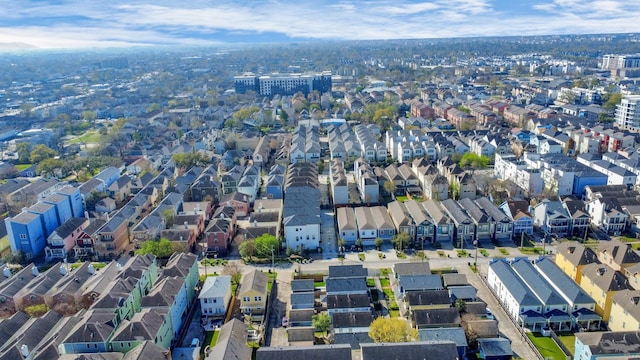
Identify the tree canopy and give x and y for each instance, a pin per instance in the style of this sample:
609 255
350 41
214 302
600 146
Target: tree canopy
473 160
321 322
161 248
41 152
391 330
190 159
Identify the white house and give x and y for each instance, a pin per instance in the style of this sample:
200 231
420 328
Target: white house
215 296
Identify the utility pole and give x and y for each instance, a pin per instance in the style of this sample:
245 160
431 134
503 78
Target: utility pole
475 263
272 259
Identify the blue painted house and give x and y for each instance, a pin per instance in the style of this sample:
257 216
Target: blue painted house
48 216
75 199
108 176
274 186
62 207
26 234
92 334
587 177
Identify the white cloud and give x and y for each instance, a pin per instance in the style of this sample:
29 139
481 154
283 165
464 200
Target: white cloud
77 23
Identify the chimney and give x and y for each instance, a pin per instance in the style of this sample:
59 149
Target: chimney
91 269
24 350
6 272
63 270
35 271
86 214
255 223
186 225
118 267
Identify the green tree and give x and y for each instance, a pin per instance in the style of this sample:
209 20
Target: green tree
36 310
41 152
48 166
154 107
24 150
390 187
235 271
11 257
265 243
245 113
391 330
284 116
247 248
401 240
377 242
90 116
460 305
612 101
190 159
321 322
161 248
168 215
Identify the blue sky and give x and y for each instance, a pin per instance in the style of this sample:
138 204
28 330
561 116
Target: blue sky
116 23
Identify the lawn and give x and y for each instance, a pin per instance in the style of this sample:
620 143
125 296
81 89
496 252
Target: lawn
361 256
462 253
211 339
484 252
272 278
444 271
401 255
384 283
96 265
531 250
547 347
21 167
401 198
569 340
90 137
503 251
635 246
371 282
441 253
384 272
319 284
381 256
388 294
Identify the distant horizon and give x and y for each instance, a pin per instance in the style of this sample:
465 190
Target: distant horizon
75 24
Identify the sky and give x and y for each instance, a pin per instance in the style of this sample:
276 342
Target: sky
53 24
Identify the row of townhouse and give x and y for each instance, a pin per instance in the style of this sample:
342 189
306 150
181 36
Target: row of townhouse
458 222
30 232
305 144
613 208
113 309
539 295
366 181
609 274
372 148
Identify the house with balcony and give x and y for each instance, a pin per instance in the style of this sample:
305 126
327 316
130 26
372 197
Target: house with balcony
503 228
253 295
552 218
607 344
424 225
617 255
444 226
484 224
518 212
347 227
215 297
62 241
464 227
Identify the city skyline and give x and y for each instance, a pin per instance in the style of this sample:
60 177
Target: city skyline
74 24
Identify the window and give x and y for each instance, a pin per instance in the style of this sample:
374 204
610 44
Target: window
23 237
257 298
246 298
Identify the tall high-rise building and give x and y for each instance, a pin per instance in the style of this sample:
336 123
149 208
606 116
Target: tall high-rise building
628 112
621 65
283 84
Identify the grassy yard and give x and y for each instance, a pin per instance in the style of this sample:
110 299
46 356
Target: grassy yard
401 255
272 278
444 271
384 283
531 250
21 167
389 294
90 137
96 265
462 253
401 198
380 256
484 252
569 340
385 272
503 251
371 282
211 339
547 347
361 256
319 284
441 254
